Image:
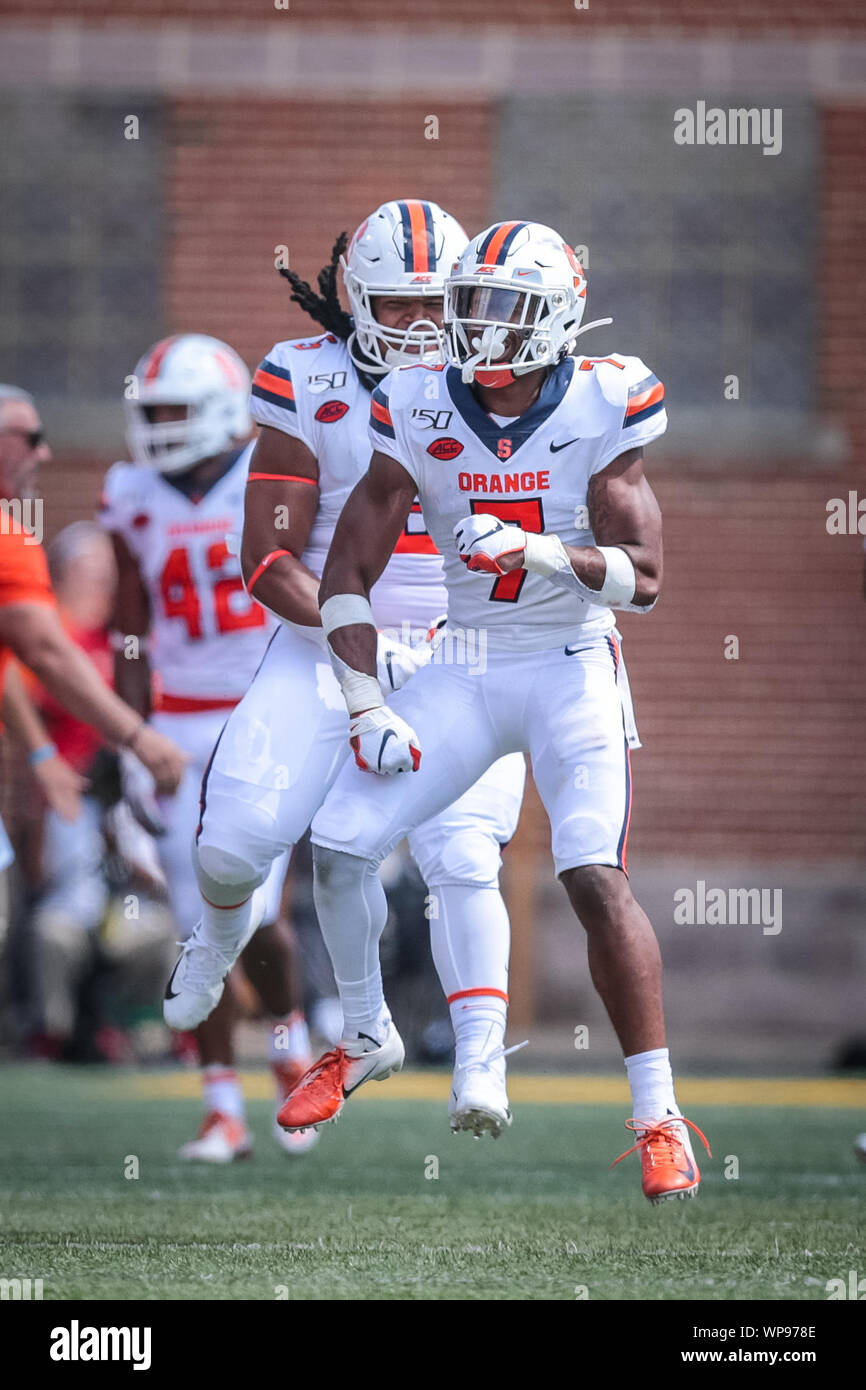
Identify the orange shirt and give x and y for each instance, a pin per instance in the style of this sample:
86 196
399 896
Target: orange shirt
23 574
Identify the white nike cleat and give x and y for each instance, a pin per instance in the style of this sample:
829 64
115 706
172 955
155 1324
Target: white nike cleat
479 1100
321 1094
196 984
221 1139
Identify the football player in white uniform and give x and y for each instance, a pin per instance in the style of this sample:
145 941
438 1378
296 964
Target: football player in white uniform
285 743
190 629
532 486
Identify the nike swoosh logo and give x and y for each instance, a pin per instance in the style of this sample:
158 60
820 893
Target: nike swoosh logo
687 1173
573 651
491 532
555 448
389 733
169 993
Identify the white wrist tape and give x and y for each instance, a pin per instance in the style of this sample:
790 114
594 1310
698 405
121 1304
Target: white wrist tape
544 554
547 556
360 690
620 580
342 610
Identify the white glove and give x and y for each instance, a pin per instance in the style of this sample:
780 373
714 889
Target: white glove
383 742
138 790
483 540
395 662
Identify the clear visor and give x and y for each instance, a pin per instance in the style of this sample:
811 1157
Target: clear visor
492 304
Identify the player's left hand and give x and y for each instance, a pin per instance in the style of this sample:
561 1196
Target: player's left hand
486 544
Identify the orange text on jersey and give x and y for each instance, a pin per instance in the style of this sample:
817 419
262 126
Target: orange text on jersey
508 482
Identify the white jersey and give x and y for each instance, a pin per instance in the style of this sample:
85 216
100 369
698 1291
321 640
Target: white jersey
533 471
310 389
207 635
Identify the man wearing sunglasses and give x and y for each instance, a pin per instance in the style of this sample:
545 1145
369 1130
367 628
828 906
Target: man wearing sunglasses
29 625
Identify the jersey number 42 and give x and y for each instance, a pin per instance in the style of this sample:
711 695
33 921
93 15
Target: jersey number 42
181 599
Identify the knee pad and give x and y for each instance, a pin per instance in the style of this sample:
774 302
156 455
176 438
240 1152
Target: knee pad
234 849
224 879
468 857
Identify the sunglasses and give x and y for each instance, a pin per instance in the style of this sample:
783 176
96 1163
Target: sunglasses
34 437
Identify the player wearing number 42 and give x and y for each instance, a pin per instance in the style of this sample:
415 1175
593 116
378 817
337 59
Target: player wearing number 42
198 640
557 433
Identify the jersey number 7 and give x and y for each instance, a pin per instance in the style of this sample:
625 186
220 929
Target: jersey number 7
527 514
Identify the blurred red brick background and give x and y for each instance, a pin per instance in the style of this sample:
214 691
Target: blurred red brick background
750 758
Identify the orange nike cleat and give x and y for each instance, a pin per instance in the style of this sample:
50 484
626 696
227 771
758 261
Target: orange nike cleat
667 1160
221 1139
287 1075
324 1089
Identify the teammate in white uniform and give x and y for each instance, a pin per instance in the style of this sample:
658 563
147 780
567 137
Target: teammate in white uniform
532 487
284 744
187 625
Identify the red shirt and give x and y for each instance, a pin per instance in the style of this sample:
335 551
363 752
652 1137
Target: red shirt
76 742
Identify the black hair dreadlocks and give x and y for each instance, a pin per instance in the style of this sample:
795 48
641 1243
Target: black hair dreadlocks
325 306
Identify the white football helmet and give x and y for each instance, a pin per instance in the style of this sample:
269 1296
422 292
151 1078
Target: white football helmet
405 248
516 284
204 375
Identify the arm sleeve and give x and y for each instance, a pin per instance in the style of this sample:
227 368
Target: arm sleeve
644 418
273 401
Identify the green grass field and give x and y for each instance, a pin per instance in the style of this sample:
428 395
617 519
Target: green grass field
536 1215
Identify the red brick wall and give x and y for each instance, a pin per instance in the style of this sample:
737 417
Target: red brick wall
762 755
841 271
248 176
736 16
753 757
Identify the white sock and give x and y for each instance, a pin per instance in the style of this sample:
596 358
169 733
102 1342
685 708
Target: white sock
469 938
222 1090
290 1039
652 1084
352 911
364 1008
479 1025
225 927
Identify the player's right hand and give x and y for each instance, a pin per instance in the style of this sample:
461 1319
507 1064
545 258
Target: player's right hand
162 758
383 742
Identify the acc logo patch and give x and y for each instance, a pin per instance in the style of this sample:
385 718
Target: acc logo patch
447 448
331 411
